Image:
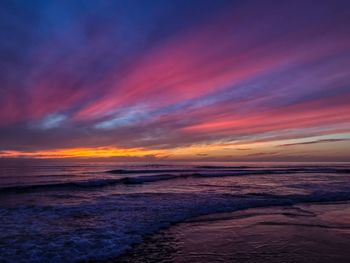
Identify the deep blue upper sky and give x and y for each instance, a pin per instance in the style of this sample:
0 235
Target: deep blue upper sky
176 79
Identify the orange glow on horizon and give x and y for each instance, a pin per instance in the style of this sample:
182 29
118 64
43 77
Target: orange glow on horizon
242 149
98 152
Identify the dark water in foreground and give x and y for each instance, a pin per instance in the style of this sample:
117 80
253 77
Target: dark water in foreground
56 212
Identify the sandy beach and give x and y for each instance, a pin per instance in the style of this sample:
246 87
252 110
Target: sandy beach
312 232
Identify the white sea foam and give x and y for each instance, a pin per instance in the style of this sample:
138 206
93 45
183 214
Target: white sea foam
105 222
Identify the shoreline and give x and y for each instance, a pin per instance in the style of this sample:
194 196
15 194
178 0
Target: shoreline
185 241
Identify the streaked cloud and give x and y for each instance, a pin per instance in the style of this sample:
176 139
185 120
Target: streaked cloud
174 79
313 142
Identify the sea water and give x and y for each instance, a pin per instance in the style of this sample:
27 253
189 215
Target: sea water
59 211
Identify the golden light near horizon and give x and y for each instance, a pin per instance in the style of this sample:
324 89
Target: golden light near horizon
313 146
98 152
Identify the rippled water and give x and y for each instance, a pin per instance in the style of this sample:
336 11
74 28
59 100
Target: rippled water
303 233
67 212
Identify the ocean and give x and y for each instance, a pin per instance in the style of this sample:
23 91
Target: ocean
58 211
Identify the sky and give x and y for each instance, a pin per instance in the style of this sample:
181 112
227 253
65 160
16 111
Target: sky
175 80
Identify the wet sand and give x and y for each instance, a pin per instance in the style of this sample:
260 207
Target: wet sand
310 233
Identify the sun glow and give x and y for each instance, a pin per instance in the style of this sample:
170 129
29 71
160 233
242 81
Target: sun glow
85 153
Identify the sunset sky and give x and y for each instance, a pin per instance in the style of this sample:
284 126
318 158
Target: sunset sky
175 80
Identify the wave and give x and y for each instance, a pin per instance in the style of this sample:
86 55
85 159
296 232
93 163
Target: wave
161 176
148 171
114 224
201 169
88 184
57 186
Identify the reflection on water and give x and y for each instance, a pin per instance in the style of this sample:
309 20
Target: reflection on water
71 212
302 233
